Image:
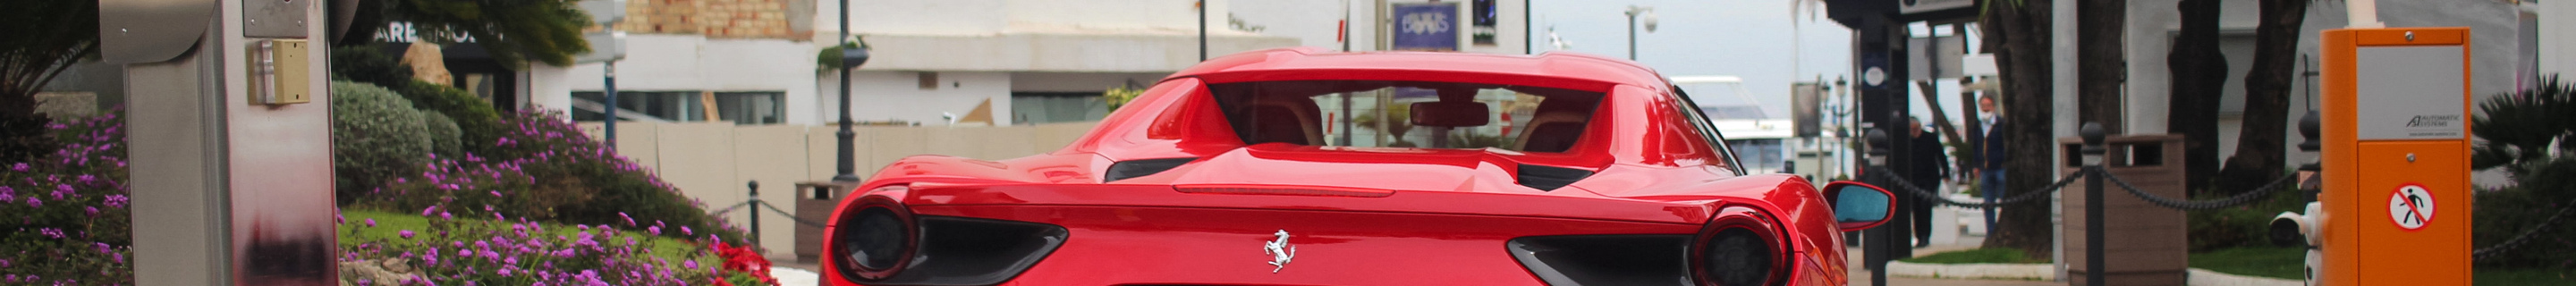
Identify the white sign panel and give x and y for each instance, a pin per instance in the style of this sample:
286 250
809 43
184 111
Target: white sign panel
2405 93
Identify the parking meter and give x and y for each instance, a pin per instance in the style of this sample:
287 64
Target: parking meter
2395 157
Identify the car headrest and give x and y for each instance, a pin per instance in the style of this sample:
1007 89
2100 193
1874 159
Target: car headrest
1451 114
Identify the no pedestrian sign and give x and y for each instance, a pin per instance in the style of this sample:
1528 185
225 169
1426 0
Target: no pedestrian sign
2411 206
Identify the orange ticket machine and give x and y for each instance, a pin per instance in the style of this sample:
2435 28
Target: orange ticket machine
2395 114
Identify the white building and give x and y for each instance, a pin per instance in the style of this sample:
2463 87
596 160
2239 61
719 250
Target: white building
931 62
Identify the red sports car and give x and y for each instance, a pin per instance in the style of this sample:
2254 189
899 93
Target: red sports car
1306 167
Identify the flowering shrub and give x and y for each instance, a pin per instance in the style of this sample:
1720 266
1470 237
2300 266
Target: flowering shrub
544 169
518 251
63 217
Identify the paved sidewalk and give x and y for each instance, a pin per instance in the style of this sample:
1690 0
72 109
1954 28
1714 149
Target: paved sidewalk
1860 275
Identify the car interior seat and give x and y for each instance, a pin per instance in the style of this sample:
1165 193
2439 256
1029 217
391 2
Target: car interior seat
1553 127
1285 119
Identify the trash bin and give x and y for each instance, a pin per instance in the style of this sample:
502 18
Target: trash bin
815 202
2145 244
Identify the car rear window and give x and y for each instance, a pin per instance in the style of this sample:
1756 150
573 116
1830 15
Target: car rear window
1406 114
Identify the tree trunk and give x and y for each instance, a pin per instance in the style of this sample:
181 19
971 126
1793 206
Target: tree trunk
2019 36
2101 63
2199 73
2267 98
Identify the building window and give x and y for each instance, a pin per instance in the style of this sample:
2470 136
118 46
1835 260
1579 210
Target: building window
1052 107
929 80
752 108
673 106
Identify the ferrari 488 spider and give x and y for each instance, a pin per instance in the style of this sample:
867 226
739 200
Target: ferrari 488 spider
1306 167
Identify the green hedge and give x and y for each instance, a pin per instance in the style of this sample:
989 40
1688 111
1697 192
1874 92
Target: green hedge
443 135
479 122
376 136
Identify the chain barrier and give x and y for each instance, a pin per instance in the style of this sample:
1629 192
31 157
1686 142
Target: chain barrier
721 212
2520 239
2238 200
1918 191
790 216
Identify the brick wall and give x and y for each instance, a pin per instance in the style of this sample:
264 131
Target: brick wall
767 19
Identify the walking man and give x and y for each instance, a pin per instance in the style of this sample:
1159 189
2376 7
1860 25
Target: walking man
1929 165
1991 156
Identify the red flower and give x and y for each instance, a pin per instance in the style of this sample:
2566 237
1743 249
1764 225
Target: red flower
744 259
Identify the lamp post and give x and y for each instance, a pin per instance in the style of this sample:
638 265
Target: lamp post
1633 12
851 58
1202 7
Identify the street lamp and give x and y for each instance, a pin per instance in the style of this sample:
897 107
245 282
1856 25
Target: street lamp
1633 11
851 58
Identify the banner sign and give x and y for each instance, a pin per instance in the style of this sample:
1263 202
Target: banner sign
1425 26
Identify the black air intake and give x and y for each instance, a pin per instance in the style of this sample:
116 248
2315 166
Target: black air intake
1548 178
1139 168
1605 259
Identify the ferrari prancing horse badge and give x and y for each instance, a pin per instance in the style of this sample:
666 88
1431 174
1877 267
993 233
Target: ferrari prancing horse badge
1279 250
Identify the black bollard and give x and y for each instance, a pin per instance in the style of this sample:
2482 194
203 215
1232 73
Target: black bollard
1879 243
2093 268
754 212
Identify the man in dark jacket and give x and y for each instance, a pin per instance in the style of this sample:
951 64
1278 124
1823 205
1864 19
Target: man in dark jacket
1926 169
1991 155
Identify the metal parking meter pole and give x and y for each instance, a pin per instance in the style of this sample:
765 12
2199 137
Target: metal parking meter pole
754 213
1878 243
608 78
2093 268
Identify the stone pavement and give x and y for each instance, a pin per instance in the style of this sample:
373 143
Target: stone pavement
1860 275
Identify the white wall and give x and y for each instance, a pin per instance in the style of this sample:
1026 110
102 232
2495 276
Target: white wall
980 17
1079 82
2558 37
896 95
666 62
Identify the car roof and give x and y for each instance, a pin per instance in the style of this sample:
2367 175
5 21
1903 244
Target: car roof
1551 69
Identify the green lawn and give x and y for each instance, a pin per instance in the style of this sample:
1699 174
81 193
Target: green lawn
2286 263
389 225
2525 277
1983 255
2274 262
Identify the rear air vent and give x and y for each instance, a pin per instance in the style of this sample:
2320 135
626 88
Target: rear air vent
1139 168
1548 178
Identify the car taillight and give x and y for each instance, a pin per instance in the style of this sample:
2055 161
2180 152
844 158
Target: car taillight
1740 247
874 239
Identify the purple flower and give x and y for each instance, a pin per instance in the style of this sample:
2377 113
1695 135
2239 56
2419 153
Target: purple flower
406 233
4 263
117 201
21 167
100 246
656 230
430 210
51 232
684 230
34 202
371 222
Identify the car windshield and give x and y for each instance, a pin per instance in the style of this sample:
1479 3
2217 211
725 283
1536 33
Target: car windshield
1406 114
